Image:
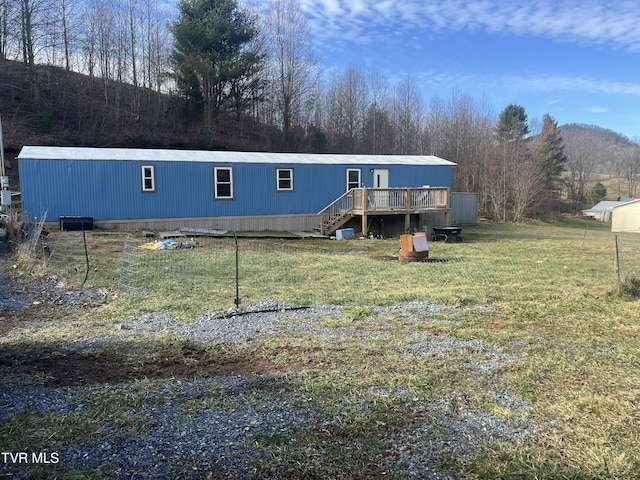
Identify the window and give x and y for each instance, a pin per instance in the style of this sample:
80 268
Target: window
353 178
148 175
223 183
284 179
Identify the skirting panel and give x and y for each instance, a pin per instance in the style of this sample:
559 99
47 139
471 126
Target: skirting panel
276 223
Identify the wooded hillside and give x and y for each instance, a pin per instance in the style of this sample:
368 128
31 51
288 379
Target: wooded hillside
77 110
220 76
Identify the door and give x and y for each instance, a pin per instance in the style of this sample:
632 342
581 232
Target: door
380 200
381 178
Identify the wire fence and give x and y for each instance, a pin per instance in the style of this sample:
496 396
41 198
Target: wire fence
225 273
228 271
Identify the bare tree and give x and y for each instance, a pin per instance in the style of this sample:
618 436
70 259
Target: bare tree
461 129
133 15
408 117
156 45
294 65
10 29
347 108
582 160
28 12
436 129
89 38
4 29
106 40
378 133
495 178
34 16
526 184
630 163
67 16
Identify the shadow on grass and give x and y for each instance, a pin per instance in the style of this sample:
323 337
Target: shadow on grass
60 366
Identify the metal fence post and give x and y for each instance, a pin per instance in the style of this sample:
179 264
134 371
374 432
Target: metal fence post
617 258
237 300
86 256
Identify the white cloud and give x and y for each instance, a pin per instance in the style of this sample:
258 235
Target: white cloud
596 109
530 83
546 83
578 21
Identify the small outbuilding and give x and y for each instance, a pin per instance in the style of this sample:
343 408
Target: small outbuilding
140 189
626 217
603 211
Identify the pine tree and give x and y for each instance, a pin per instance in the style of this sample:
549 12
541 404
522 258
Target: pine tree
210 54
513 124
550 150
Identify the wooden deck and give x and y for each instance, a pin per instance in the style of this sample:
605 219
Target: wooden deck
365 202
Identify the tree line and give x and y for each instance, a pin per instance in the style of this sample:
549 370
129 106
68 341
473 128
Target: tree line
220 58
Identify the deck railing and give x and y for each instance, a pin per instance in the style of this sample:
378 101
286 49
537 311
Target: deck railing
361 201
338 210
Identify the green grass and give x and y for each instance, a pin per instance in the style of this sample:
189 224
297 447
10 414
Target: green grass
566 333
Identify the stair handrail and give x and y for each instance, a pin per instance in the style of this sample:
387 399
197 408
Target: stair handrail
337 209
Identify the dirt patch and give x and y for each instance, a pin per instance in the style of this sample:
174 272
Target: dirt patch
41 299
384 258
61 367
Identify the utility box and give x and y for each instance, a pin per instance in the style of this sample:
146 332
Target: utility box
69 224
6 198
345 233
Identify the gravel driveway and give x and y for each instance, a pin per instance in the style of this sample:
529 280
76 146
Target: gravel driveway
181 433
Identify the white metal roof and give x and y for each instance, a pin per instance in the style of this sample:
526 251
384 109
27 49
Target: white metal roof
158 155
608 205
629 200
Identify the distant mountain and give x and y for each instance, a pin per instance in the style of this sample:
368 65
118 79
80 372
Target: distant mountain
607 143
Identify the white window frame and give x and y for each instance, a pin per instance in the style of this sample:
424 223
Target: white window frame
349 170
217 183
148 172
279 179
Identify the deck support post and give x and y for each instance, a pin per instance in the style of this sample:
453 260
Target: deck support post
407 205
364 225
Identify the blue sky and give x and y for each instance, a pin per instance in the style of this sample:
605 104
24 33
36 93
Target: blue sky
579 61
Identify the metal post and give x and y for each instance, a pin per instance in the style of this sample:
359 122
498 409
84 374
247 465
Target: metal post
86 255
586 230
4 180
237 300
617 259
1 149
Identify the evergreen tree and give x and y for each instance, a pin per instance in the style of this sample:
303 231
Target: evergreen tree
210 54
550 150
513 124
598 192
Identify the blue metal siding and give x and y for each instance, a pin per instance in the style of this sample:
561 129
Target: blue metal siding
109 190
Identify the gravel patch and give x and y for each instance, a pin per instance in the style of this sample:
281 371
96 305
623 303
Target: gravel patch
451 428
168 440
271 318
482 356
17 295
219 436
32 397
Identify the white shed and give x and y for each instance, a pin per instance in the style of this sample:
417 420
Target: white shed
626 217
603 211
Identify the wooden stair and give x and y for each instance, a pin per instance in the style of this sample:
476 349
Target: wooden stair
337 213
